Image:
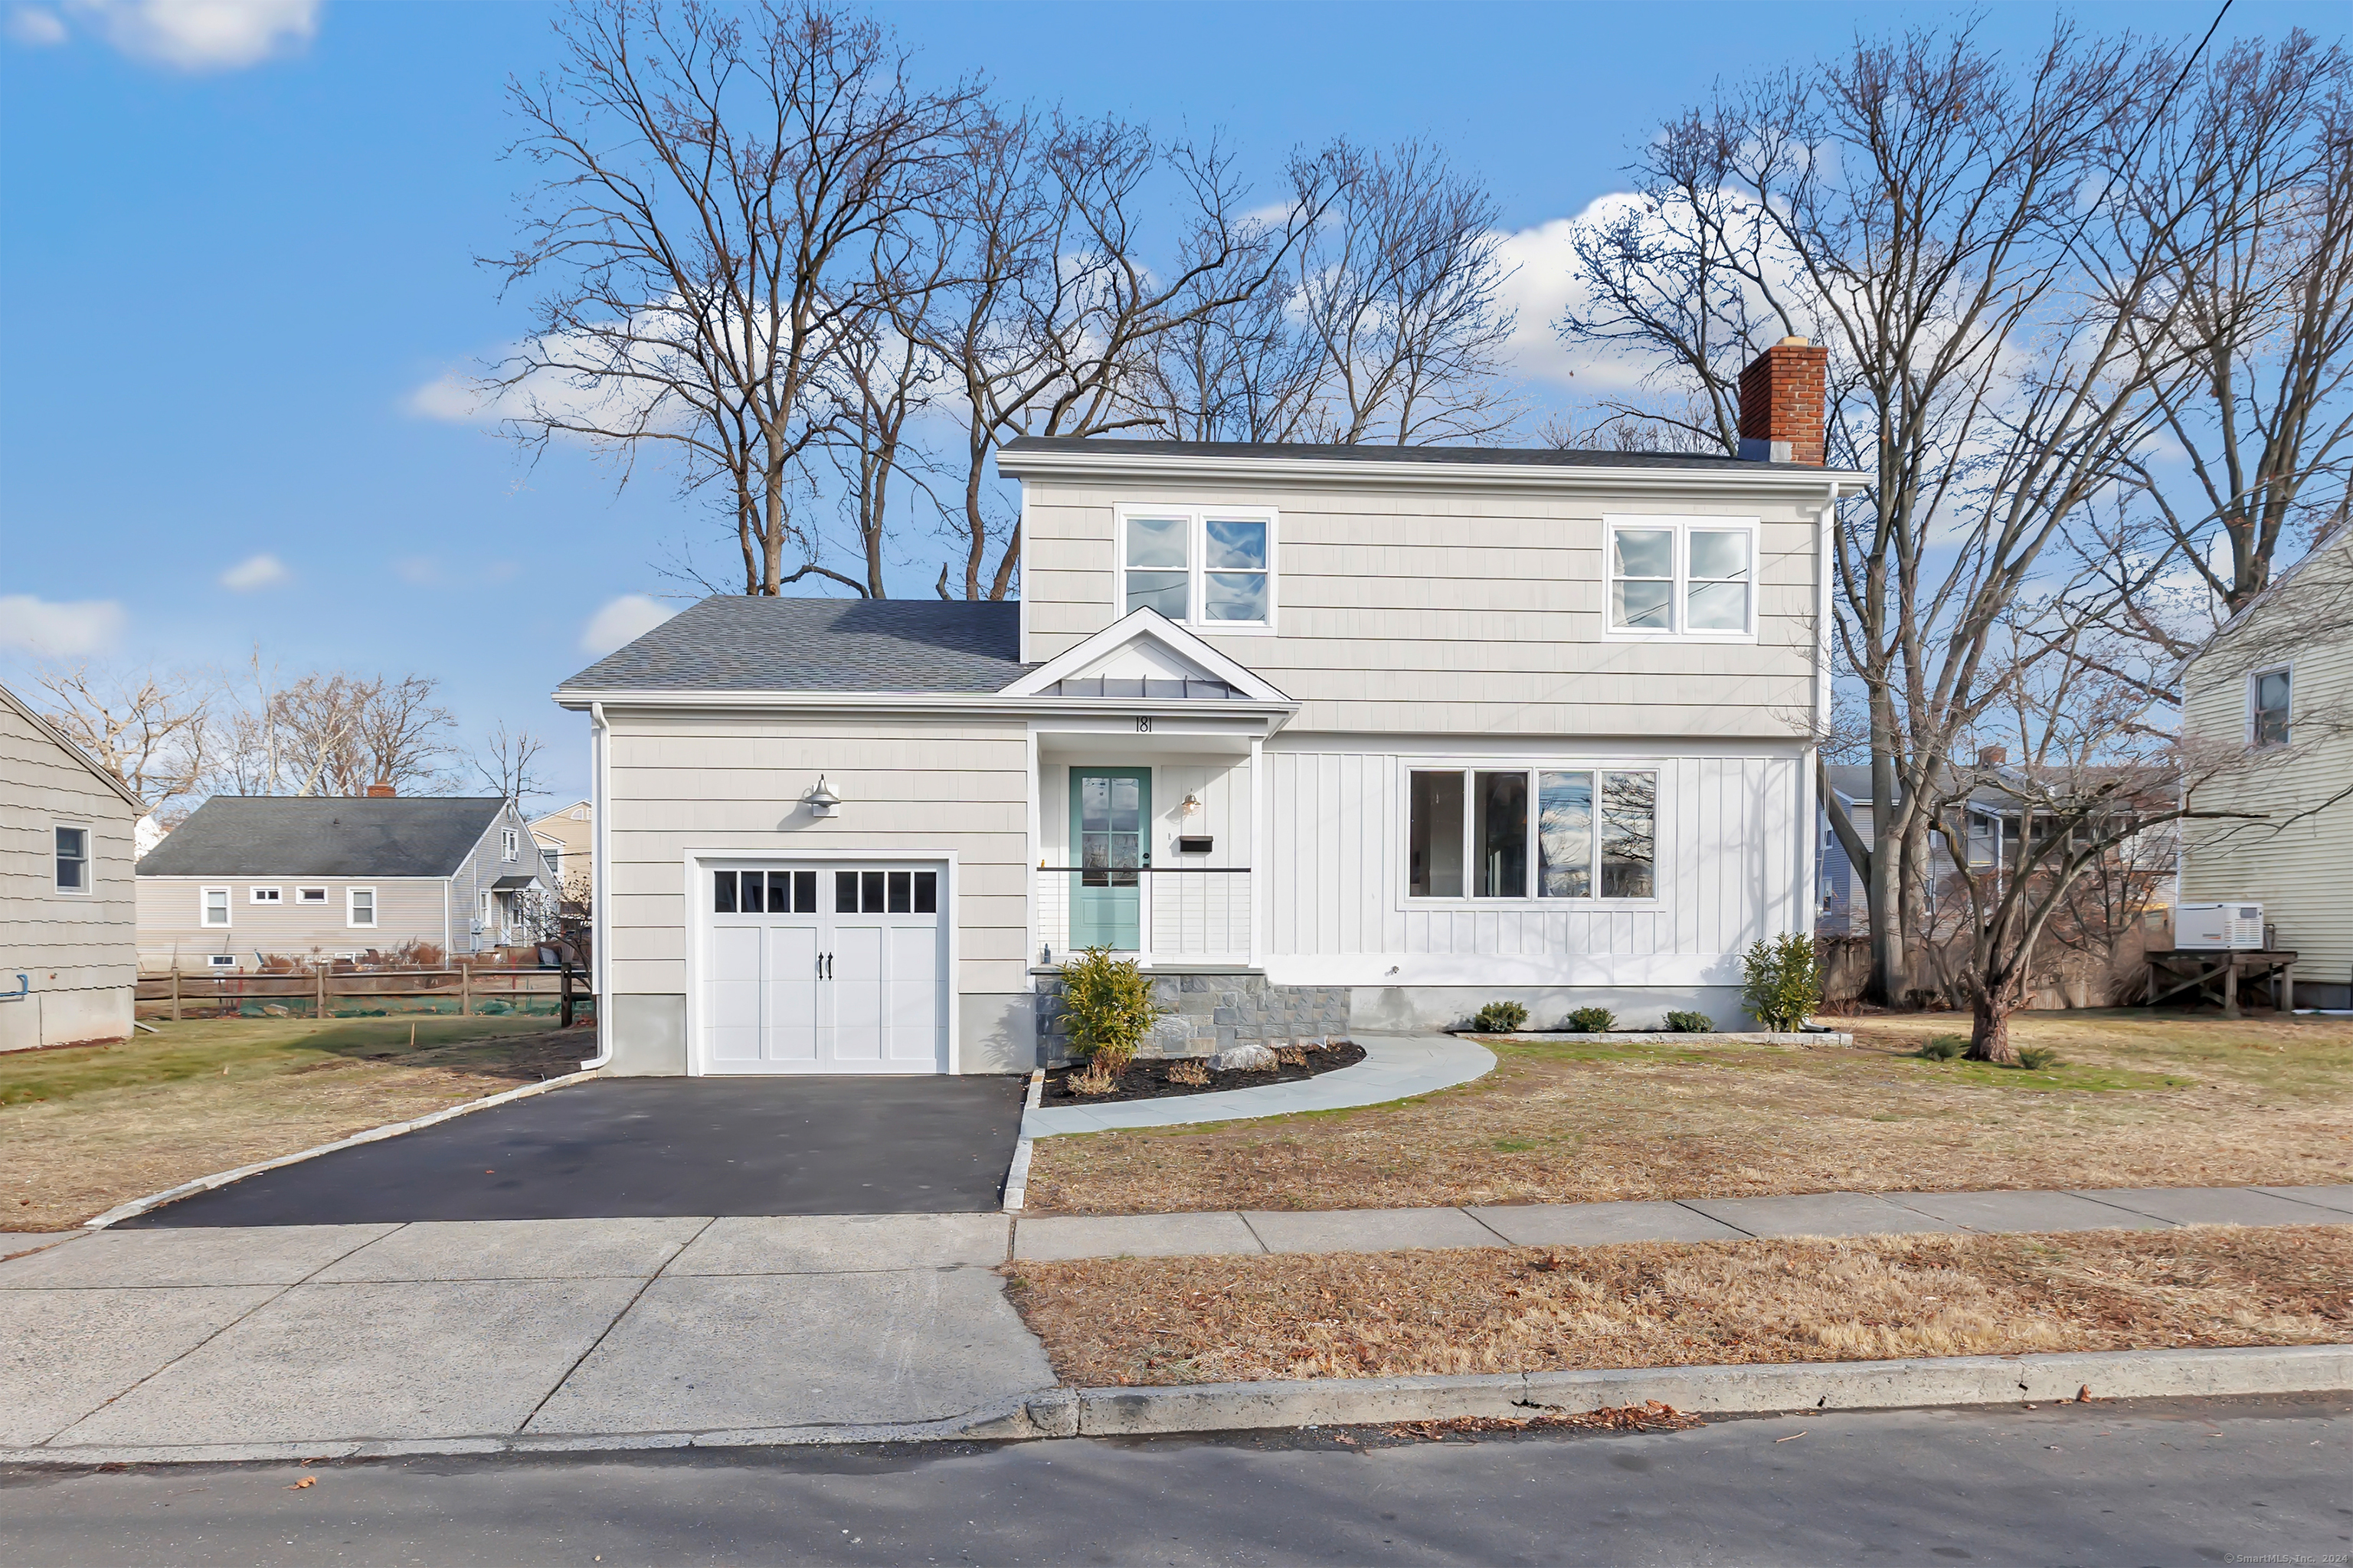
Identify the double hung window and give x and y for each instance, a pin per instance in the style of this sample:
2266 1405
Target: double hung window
1532 833
213 907
2267 704
1211 570
73 859
359 906
1682 577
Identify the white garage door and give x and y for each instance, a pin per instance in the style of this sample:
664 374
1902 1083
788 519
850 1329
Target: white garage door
824 971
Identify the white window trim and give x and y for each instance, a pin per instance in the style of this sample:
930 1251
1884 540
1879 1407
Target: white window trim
1405 898
277 895
1683 527
89 860
2254 679
351 909
1196 519
303 895
204 908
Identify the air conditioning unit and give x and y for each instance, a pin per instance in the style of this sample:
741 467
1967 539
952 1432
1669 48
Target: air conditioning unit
2214 927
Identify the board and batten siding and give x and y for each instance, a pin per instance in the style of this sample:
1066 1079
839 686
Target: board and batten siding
77 951
2302 873
680 781
1731 850
1473 611
172 933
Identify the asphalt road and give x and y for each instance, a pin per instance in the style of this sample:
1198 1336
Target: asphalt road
2152 1482
650 1148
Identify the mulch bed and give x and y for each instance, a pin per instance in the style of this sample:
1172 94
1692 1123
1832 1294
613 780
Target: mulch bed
1149 1080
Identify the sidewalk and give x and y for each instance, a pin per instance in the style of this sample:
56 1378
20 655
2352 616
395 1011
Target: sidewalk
1396 1067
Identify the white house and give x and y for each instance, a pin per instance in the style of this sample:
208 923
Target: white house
1330 739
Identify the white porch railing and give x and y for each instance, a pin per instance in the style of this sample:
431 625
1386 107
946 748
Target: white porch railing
1180 915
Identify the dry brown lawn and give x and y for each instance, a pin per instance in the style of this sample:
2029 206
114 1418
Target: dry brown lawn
2138 1100
1218 1319
85 1127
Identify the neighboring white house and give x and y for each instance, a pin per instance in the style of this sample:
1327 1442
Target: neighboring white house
2277 681
67 961
1330 739
249 877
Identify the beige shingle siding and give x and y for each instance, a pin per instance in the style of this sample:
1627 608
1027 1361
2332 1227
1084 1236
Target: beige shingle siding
1386 601
2303 874
78 951
714 782
171 927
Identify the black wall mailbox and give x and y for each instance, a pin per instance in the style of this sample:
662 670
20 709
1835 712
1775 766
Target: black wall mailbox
1194 844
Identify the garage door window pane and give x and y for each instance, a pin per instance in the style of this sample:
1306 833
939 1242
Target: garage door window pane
903 891
927 893
805 892
722 893
870 891
845 892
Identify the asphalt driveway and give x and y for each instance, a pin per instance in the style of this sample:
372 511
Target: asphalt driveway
651 1148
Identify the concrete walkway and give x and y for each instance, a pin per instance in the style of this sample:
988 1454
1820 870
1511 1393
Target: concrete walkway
1395 1068
314 1340
1053 1236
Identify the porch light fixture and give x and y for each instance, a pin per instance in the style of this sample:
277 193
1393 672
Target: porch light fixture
822 801
1192 804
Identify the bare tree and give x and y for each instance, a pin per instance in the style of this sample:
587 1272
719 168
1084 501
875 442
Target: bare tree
1993 339
712 185
152 728
507 762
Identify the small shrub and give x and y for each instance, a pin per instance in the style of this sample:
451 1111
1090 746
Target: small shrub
1690 1024
1499 1018
1946 1047
2035 1058
1098 1079
1192 1072
1781 981
1592 1020
1291 1055
1110 1009
494 1009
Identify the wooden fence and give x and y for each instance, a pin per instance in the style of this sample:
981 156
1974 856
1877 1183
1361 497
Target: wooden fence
323 993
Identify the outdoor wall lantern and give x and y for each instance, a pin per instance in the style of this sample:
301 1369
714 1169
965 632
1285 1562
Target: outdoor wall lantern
1192 804
822 801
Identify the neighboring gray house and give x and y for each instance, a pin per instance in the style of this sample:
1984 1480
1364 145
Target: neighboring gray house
68 959
1330 738
1843 907
337 876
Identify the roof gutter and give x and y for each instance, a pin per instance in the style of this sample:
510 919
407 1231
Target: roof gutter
921 703
1746 479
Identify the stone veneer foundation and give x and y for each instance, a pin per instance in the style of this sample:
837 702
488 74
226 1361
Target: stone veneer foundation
1209 1013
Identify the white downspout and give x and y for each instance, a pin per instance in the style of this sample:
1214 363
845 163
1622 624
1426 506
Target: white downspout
600 879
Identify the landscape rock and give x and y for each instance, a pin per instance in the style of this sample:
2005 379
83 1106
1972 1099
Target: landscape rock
1243 1058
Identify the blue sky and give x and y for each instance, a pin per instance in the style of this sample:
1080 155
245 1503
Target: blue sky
232 256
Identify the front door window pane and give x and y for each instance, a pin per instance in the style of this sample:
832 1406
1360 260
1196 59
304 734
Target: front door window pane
1436 834
1111 828
1565 835
1159 566
1502 834
1642 580
1630 810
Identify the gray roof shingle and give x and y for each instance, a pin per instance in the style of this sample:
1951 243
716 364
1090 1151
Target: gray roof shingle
329 835
738 643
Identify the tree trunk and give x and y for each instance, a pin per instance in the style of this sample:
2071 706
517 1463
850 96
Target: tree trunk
1989 1028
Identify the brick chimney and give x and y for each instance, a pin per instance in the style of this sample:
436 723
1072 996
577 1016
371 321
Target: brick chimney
1992 756
1781 397
381 790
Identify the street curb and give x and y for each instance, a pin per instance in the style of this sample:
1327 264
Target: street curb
2053 1378
1017 1175
390 1129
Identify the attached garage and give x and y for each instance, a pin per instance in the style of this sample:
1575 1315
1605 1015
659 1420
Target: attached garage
821 967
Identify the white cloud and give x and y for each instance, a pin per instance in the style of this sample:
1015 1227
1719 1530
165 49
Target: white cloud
31 25
1543 287
261 571
201 34
49 631
450 397
624 620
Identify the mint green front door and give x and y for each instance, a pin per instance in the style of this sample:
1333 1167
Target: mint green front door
1111 813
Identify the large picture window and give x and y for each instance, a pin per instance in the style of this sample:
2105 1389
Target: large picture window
1212 570
1682 577
1532 833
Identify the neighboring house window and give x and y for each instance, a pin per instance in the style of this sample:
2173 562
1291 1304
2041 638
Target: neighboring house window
214 904
73 859
508 844
2267 698
265 895
554 853
310 895
359 906
1208 569
579 813
1679 578
1590 834
221 961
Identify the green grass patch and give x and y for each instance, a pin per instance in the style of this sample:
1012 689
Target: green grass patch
1513 1145
236 1048
2063 1075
